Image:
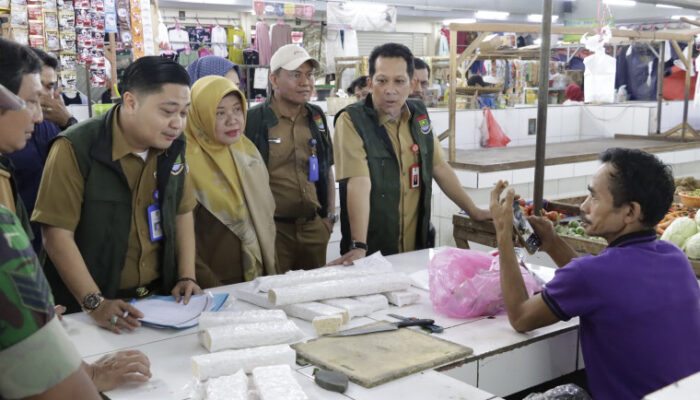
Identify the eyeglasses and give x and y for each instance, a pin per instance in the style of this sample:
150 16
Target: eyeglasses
296 75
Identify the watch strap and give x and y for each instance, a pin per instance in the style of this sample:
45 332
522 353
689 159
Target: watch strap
358 245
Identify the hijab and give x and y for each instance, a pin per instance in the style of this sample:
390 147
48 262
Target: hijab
211 65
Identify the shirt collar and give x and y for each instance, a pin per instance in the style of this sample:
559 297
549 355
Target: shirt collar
274 105
384 117
646 235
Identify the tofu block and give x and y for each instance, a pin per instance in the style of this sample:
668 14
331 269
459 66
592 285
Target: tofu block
239 336
309 311
402 298
209 319
376 301
325 325
229 387
354 307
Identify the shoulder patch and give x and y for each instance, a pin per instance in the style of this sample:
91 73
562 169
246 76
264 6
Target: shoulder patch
319 123
424 124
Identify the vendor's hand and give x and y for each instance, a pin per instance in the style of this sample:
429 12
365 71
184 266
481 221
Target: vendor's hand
55 110
502 211
59 310
349 257
480 214
118 368
110 315
544 229
185 289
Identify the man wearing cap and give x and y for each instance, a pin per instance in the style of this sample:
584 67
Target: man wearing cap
292 137
387 157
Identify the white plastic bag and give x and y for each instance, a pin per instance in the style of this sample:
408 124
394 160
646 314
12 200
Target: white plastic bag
599 81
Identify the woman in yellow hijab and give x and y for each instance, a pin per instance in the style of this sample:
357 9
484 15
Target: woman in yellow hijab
234 225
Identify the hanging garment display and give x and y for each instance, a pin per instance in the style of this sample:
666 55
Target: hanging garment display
443 45
218 41
236 35
262 42
179 39
636 69
280 35
334 48
361 16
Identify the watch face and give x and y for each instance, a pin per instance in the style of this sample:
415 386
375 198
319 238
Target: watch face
91 301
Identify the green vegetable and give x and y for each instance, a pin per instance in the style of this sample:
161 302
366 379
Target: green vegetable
680 230
692 246
574 224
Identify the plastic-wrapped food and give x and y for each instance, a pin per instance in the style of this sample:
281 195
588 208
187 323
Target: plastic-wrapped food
348 287
210 319
276 382
309 311
228 362
229 387
402 298
562 392
297 277
355 308
376 301
239 336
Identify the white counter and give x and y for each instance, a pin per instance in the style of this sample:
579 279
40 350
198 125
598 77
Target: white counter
504 361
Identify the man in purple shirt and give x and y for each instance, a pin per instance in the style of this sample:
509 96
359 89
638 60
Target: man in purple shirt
638 301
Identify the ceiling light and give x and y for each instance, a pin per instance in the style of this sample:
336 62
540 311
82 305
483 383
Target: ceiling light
538 18
621 3
459 21
491 14
431 8
666 6
677 17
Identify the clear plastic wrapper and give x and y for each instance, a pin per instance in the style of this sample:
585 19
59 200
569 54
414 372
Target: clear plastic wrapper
209 319
276 382
355 308
239 336
376 301
298 277
347 287
309 311
562 392
402 298
228 362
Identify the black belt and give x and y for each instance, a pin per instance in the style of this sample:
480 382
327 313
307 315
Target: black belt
141 291
296 220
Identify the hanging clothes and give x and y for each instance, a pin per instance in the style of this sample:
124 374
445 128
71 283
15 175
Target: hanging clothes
236 35
186 57
334 48
637 70
163 39
179 39
280 35
218 41
443 45
314 43
262 42
350 49
252 57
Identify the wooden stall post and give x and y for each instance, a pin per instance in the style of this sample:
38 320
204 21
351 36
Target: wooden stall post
453 92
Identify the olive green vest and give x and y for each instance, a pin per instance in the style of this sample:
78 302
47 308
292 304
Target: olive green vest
261 119
105 217
385 176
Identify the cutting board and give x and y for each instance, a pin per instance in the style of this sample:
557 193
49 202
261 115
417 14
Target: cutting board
375 358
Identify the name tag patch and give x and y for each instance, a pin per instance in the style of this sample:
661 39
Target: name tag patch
424 124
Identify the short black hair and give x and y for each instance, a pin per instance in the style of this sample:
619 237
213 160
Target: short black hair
641 177
391 50
16 61
358 83
46 58
420 64
148 75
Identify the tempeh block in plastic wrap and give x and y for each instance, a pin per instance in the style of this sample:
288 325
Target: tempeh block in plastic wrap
402 298
277 382
309 311
376 301
349 287
297 277
228 362
239 336
229 387
354 307
210 319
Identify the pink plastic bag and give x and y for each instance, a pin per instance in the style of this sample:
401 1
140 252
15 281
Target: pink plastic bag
466 283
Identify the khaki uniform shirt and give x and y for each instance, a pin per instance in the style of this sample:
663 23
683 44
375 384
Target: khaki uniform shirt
351 161
60 199
295 196
7 198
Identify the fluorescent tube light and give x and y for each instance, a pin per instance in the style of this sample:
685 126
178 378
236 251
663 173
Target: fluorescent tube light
459 21
538 18
666 6
677 17
491 14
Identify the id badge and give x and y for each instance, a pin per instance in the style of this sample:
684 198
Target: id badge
155 228
313 169
415 176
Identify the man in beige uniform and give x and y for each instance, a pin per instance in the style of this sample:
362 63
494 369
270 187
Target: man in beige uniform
386 159
292 137
115 201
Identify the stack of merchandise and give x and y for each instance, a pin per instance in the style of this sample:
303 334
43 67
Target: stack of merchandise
67 37
90 27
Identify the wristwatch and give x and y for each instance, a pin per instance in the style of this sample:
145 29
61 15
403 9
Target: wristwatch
333 217
91 301
358 245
